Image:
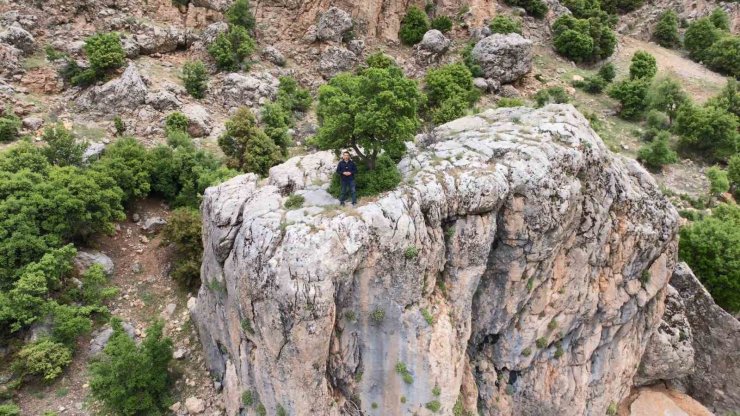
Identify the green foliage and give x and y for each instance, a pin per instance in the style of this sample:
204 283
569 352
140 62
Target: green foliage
536 8
413 26
377 315
657 153
127 162
718 180
612 409
230 49
247 146
183 230
553 94
105 53
248 398
442 23
62 149
10 125
385 177
450 92
411 252
720 19
733 172
505 24
632 96
643 65
176 121
699 37
591 84
239 14
608 72
277 121
724 55
9 409
195 78
261 411
470 62
541 342
294 201
292 96
427 316
119 125
708 130
509 102
527 352
281 411
666 31
380 60
404 372
375 110
434 406
44 358
711 246
655 122
668 96
583 40
620 6
729 99
132 380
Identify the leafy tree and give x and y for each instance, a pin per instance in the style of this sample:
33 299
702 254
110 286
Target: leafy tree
699 37
656 122
183 230
574 45
711 246
657 153
720 19
371 112
247 146
583 40
666 31
643 65
127 162
195 78
292 96
718 181
442 23
176 121
104 52
133 380
632 96
607 72
230 49
62 147
668 96
450 92
413 26
708 130
733 173
724 55
276 121
44 358
10 125
729 99
505 24
536 8
239 14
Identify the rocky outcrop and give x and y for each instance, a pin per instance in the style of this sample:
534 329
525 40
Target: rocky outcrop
18 37
505 58
125 93
432 46
251 90
333 24
336 59
506 271
86 258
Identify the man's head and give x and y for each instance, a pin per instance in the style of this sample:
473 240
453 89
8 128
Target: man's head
345 156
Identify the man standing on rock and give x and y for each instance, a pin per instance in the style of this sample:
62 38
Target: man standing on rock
347 171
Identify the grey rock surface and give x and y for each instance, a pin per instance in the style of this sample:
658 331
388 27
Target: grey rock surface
153 224
251 90
273 55
502 270
432 46
101 337
200 121
336 59
86 258
505 58
128 92
333 24
18 37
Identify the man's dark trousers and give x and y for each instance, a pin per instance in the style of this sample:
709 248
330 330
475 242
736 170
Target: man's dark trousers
348 185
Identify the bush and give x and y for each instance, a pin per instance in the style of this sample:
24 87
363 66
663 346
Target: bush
230 49
276 121
591 84
469 61
195 78
583 40
413 26
247 147
667 96
724 56
655 122
119 125
380 60
699 37
632 96
708 130
509 102
711 246
574 45
129 379
104 52
536 8
127 162
9 409
505 24
643 66
292 96
10 126
450 92
658 153
720 19
552 94
239 14
294 201
183 230
607 72
385 177
733 173
666 31
176 121
729 99
62 149
442 23
620 6
718 181
43 358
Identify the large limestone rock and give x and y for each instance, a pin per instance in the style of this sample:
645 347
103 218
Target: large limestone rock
128 92
504 270
336 59
333 24
18 37
86 258
432 46
505 58
251 90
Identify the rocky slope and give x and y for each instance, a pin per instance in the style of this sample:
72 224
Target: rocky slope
521 268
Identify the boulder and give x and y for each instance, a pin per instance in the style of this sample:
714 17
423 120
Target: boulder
10 61
217 5
505 58
101 337
336 59
432 46
18 37
131 47
251 90
356 46
153 224
301 171
333 24
501 269
33 123
200 124
212 31
273 55
163 100
126 93
155 39
194 405
86 258
93 152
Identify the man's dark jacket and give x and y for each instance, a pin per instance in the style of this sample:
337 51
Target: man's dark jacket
348 166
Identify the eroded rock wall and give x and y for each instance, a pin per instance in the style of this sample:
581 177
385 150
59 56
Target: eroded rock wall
520 268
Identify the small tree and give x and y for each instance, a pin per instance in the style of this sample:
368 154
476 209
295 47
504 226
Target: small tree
505 24
607 72
10 125
62 147
276 122
658 153
239 14
176 121
231 49
195 78
574 45
105 53
292 96
183 230
708 130
450 91
724 56
44 358
643 65
666 31
442 23
667 96
583 40
729 99
413 26
632 96
247 147
699 37
718 180
733 173
720 19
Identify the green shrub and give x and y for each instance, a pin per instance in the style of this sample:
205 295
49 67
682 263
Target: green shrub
708 130
643 66
666 31
509 102
527 352
592 84
380 60
195 78
62 148
655 122
657 153
428 317
248 398
9 409
10 126
276 122
184 232
720 19
632 96
377 315
470 62
404 372
620 6
536 8
231 49
553 94
574 45
132 380
724 56
434 406
718 181
44 358
450 92
541 342
127 162
119 125
612 409
385 177
583 40
442 23
104 52
733 173
281 411
505 24
699 37
729 99
239 14
608 72
292 96
294 201
668 96
176 121
711 247
247 147
411 252
413 26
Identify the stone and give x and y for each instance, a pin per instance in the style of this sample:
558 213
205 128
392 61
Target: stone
333 24
179 354
131 48
311 34
101 337
86 258
237 90
356 46
200 124
93 152
10 61
128 92
504 57
211 32
153 224
168 311
657 401
163 100
33 123
523 215
336 59
510 91
155 39
194 405
273 55
432 46
18 37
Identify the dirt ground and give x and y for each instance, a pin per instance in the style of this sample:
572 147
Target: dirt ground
145 291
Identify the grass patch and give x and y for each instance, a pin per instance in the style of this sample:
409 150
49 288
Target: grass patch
411 252
294 201
427 316
404 372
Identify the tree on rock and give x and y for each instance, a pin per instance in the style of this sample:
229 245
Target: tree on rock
248 147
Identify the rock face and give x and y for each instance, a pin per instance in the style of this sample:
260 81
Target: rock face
86 258
125 93
250 90
333 24
16 36
336 59
505 58
505 270
432 46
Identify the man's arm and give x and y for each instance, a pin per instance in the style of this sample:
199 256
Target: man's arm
353 167
339 167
